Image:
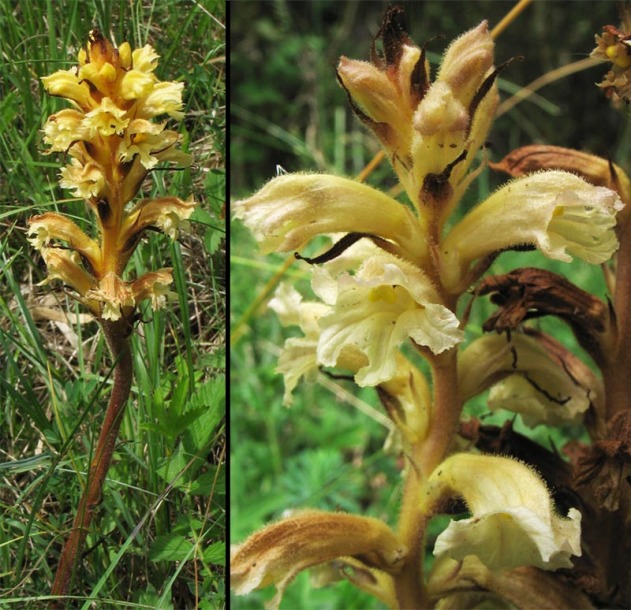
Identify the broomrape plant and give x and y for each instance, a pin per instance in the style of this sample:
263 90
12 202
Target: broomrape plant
540 531
113 143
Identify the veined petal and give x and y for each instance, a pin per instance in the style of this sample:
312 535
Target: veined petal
107 119
56 226
556 211
167 214
65 265
513 523
153 285
85 180
530 374
145 59
298 356
64 128
278 552
66 83
137 84
384 304
163 98
114 297
143 138
291 209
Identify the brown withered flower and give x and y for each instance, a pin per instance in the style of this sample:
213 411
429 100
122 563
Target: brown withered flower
614 45
605 467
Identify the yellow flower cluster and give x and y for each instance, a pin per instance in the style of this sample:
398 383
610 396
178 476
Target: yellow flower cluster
113 145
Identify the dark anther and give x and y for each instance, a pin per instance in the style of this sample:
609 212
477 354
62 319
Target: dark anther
393 35
436 187
131 243
87 265
419 81
103 209
338 248
336 376
485 87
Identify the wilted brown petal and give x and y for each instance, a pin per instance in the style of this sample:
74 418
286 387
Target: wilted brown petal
531 293
605 467
596 170
526 588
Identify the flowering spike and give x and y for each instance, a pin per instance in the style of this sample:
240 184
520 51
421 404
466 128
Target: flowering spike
113 144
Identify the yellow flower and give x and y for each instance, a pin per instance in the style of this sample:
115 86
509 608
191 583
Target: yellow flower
65 265
166 214
530 374
153 285
555 211
513 520
292 209
86 180
56 226
385 303
405 394
63 129
67 84
107 119
298 358
432 132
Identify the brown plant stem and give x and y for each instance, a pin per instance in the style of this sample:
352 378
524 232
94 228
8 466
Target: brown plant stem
409 587
607 532
117 336
426 455
616 370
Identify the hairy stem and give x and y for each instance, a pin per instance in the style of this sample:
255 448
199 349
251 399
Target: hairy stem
409 587
446 411
116 334
410 590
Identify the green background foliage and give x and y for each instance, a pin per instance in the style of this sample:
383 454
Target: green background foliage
158 540
287 110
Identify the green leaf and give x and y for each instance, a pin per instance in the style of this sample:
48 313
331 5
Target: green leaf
211 398
172 547
174 464
151 599
203 485
215 553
